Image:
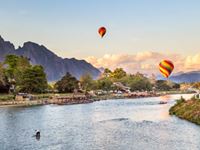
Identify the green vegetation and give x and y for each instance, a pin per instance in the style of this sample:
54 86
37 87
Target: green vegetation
50 95
162 85
33 80
196 85
16 66
87 83
139 82
20 76
67 84
188 110
4 85
104 84
118 73
113 81
6 97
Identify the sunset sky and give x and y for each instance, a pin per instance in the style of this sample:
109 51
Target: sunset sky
140 32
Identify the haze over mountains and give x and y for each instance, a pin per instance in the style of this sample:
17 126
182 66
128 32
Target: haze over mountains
55 67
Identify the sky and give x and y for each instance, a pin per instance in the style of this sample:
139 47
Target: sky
144 28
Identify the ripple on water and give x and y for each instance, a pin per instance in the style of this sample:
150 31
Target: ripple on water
106 125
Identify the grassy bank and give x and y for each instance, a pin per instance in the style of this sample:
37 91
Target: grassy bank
10 97
65 99
188 110
6 97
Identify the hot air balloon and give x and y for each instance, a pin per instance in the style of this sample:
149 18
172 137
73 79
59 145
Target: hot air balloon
166 67
102 31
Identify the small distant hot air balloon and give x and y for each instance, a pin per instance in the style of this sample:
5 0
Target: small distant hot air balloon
166 67
102 31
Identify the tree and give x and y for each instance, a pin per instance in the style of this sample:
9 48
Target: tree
162 85
23 76
67 84
196 85
104 84
11 62
16 65
118 73
4 85
107 72
87 83
2 74
126 80
176 86
140 83
33 80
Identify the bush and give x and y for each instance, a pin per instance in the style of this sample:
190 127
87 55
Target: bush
181 100
6 97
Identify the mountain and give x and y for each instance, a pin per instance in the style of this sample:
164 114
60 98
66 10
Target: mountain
101 69
5 48
55 66
193 76
180 77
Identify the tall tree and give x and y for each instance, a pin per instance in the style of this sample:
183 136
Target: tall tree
4 85
104 84
16 65
87 83
162 85
33 80
11 62
2 73
140 83
107 72
67 84
118 73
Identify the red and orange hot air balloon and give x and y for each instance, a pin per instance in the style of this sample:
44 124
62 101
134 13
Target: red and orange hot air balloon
166 67
102 31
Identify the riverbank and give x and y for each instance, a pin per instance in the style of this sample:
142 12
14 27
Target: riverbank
188 110
36 100
69 99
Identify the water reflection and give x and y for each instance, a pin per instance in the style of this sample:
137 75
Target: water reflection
113 124
165 98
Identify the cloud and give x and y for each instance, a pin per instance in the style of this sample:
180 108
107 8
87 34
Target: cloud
145 62
192 62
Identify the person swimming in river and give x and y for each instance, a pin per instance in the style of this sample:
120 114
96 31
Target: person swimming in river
37 134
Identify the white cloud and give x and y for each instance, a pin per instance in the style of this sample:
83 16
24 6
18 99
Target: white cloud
192 62
145 62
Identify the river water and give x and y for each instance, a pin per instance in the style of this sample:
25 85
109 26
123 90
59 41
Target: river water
133 124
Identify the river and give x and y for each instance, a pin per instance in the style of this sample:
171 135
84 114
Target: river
131 124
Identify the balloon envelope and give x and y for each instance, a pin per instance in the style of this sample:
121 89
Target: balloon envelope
102 31
166 67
